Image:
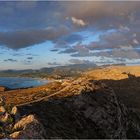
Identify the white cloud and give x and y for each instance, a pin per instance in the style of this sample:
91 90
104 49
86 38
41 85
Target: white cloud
135 41
78 22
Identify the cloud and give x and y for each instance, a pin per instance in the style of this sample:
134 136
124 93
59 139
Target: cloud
39 14
17 54
130 54
69 50
10 60
116 22
78 22
54 50
119 54
95 12
30 54
29 58
26 4
116 39
25 38
27 62
72 38
79 61
53 64
77 50
67 40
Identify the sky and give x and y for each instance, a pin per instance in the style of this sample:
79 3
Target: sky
36 34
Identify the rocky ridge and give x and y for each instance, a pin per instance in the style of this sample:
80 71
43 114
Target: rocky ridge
84 109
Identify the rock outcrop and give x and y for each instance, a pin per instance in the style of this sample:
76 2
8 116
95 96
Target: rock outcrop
28 128
84 109
13 126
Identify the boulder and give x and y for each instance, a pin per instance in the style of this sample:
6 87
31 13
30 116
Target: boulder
15 114
29 127
6 118
2 110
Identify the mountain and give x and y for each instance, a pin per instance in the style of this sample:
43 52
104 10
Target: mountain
50 72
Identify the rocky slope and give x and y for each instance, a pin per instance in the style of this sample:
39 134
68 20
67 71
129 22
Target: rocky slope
84 109
124 80
102 103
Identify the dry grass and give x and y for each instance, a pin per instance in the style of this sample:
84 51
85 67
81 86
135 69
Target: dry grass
21 96
113 72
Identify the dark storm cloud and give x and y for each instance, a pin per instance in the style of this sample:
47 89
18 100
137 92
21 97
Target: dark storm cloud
25 38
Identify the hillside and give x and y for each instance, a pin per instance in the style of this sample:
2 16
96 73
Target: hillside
125 81
58 72
113 72
102 103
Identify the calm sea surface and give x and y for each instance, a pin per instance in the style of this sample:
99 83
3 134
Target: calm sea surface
17 82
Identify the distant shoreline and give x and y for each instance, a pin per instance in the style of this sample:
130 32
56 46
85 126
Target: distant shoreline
33 82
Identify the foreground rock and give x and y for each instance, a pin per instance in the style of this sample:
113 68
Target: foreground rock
13 126
29 128
84 109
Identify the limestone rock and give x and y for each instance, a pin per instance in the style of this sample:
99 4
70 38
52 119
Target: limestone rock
15 135
30 129
2 110
5 118
15 113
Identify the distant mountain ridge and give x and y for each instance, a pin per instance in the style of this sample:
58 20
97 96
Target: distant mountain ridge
58 72
69 70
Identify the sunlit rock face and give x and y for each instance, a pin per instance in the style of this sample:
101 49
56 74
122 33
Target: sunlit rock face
14 126
29 128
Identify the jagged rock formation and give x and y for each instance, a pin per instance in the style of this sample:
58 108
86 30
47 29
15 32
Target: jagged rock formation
28 128
13 126
84 109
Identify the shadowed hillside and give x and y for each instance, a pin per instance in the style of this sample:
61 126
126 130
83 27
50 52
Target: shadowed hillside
124 80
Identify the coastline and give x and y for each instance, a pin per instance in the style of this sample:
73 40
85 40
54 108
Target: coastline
35 82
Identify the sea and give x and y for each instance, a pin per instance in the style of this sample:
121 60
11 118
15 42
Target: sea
19 82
